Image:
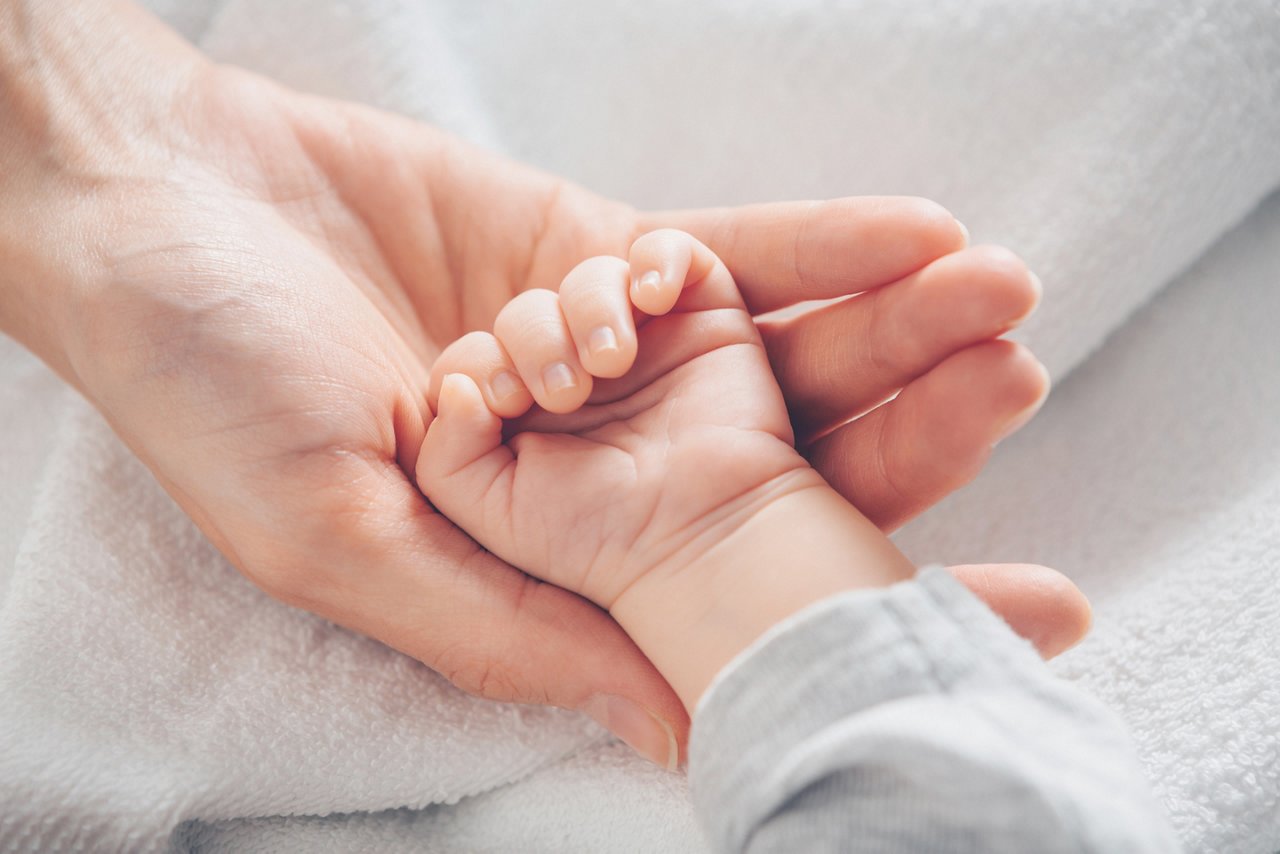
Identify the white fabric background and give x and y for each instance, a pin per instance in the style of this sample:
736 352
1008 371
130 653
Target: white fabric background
145 687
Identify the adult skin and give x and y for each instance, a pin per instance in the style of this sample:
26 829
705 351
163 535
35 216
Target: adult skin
252 284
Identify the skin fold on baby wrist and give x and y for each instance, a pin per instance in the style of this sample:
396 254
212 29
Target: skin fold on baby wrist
800 548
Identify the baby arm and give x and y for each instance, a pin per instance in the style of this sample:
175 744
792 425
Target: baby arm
656 473
656 477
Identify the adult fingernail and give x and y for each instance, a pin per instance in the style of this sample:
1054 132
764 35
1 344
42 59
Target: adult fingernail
602 340
558 377
1037 288
1020 420
642 730
647 285
504 385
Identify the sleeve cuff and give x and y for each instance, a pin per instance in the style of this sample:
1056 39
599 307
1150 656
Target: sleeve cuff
835 658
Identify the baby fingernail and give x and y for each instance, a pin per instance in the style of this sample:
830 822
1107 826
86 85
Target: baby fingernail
964 231
642 730
558 377
602 340
504 385
1037 284
647 285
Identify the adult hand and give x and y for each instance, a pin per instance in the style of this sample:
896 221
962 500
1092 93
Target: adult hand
252 284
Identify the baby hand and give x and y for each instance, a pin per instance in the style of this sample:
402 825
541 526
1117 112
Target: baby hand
658 426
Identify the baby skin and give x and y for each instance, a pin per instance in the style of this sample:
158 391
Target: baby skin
657 475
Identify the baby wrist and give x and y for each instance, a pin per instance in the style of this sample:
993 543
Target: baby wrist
800 548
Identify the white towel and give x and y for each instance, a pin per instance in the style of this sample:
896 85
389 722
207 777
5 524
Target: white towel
1109 143
147 693
1153 479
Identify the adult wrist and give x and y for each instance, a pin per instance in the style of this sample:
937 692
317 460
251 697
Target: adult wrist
88 91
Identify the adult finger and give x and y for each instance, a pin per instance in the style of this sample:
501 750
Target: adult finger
1040 604
838 361
398 572
935 436
789 252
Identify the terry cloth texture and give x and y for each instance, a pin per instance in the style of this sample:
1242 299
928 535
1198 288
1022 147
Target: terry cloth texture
150 696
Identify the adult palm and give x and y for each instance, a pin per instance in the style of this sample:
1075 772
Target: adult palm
267 278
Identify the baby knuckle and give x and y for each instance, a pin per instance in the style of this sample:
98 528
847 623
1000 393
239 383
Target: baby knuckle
591 275
661 238
525 306
468 348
